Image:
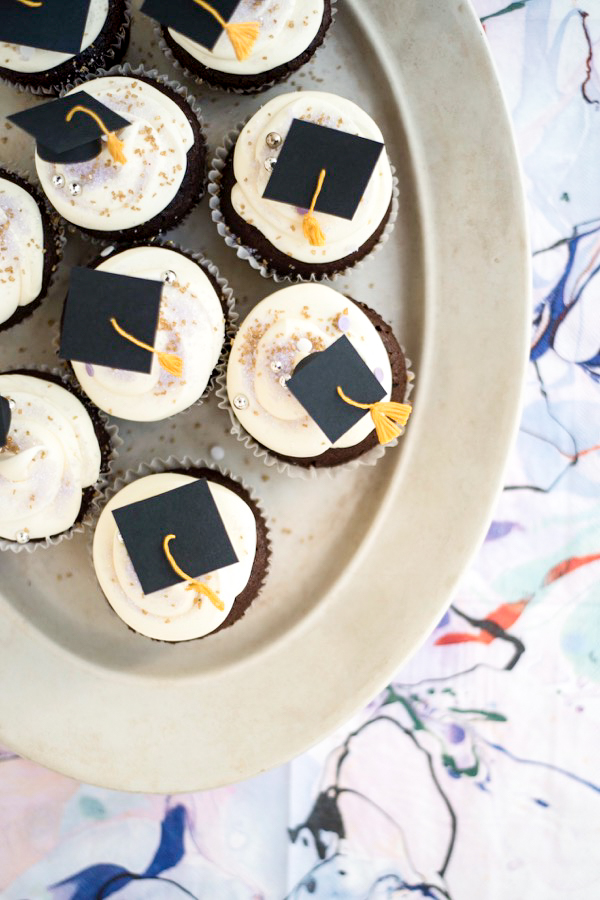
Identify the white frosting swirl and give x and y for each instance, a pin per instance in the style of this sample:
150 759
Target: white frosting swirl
280 223
51 455
172 614
117 196
21 248
288 28
28 60
191 324
283 329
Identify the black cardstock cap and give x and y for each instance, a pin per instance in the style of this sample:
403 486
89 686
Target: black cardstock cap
94 298
53 25
315 382
5 419
190 19
201 541
348 160
60 141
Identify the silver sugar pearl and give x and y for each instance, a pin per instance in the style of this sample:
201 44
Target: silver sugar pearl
120 537
240 402
273 140
11 403
22 537
74 189
58 181
284 380
270 163
169 277
276 366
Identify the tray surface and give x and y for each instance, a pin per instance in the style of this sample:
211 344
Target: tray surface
352 589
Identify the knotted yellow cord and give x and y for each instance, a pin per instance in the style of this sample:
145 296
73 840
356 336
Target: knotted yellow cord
31 3
169 361
115 146
242 35
310 225
384 415
193 584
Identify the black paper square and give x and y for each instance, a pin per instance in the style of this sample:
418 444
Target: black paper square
315 382
62 141
94 298
201 542
308 148
189 19
55 25
5 419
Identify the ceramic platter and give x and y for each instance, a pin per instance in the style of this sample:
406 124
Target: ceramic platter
363 563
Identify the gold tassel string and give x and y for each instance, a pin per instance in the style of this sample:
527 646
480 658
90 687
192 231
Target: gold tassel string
193 584
115 146
310 225
31 3
384 415
169 361
242 35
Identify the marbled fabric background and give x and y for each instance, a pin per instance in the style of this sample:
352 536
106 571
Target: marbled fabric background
476 774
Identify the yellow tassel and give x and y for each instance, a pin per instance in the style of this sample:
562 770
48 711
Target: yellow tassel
193 585
242 35
30 3
310 225
169 361
384 415
115 146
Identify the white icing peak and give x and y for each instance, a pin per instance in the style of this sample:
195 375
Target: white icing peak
279 332
51 455
115 196
28 60
172 614
280 223
191 325
21 248
288 28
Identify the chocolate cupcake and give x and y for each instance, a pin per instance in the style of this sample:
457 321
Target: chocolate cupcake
55 455
316 380
305 190
122 156
42 49
31 241
200 559
284 36
190 310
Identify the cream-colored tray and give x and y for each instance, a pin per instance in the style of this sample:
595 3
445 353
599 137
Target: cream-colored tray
364 563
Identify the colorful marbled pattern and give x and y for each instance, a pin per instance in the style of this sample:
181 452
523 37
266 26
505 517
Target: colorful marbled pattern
476 773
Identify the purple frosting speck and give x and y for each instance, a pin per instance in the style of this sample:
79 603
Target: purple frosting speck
343 323
89 370
378 373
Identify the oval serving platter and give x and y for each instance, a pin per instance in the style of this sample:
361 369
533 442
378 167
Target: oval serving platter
363 563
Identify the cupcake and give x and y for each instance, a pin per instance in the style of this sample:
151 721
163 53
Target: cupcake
245 46
30 248
189 308
306 190
316 379
180 554
147 173
42 49
54 457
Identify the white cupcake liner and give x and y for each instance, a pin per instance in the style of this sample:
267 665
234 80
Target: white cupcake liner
193 76
247 253
139 71
370 458
51 91
231 323
100 486
58 230
157 466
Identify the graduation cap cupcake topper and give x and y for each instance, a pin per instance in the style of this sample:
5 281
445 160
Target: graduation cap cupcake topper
175 533
205 22
337 388
42 24
69 130
111 320
5 419
321 169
